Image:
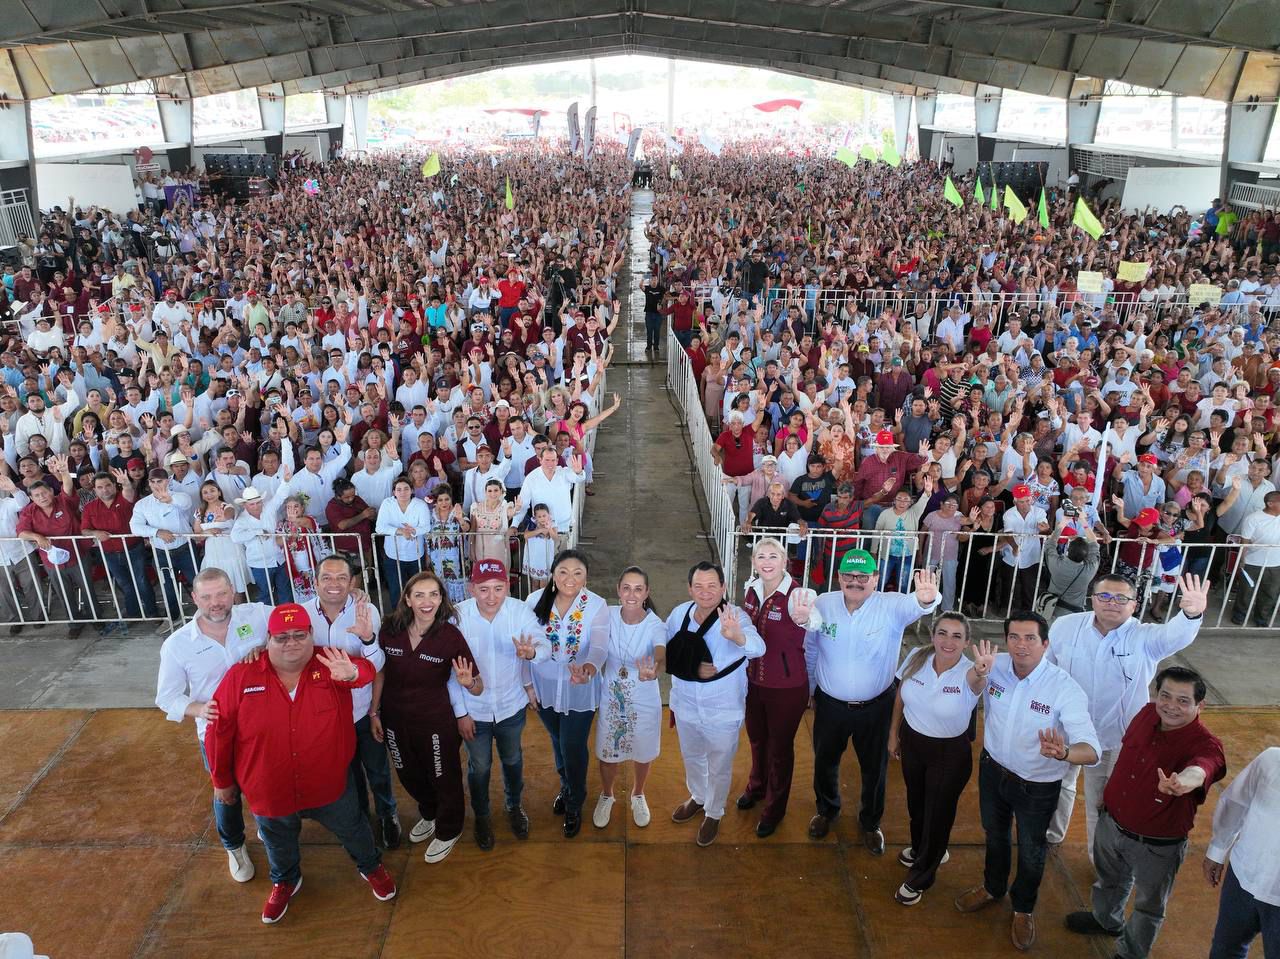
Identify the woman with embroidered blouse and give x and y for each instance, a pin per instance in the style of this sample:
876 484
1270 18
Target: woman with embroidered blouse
567 685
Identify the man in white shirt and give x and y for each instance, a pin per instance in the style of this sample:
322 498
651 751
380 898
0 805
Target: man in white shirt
169 314
373 482
49 422
1024 524
17 569
476 478
501 632
1258 582
315 479
192 663
1113 657
1036 728
551 484
851 651
164 518
519 448
1244 826
708 644
343 617
254 530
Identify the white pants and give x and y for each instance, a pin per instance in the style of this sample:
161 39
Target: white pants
708 753
1095 781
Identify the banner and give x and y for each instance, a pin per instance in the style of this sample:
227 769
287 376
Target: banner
1089 281
575 136
633 141
1133 272
674 146
589 134
1198 293
183 193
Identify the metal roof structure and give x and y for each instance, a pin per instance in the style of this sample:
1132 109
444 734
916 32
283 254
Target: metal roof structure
1220 49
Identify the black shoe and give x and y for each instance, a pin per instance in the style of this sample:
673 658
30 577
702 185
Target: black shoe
873 839
75 630
390 831
746 801
572 824
765 829
484 833
1087 924
15 629
819 826
519 822
558 804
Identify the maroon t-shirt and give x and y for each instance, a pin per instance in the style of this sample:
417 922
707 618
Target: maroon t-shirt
738 459
415 680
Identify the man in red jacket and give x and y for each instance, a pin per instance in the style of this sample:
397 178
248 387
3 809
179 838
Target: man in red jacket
283 736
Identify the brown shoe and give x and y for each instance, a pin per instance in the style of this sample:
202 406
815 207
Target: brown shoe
1023 931
686 810
971 900
708 831
819 826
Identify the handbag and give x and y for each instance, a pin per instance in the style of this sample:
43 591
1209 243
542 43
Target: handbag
687 650
1046 603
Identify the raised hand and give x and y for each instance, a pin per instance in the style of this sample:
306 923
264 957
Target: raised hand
646 669
731 626
984 657
364 622
1195 594
341 668
926 582
801 604
525 648
1052 744
464 670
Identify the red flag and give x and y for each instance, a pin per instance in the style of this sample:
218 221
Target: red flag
769 106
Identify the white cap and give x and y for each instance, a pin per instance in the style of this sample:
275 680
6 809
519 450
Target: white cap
177 428
248 495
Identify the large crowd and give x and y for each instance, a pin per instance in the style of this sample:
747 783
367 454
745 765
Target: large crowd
255 400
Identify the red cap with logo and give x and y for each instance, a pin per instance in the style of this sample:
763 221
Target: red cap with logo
885 438
489 571
1148 458
286 618
1021 491
1147 517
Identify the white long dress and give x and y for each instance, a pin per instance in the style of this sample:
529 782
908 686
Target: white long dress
630 722
221 552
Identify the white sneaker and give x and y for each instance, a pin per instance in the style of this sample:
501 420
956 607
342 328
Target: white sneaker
908 857
423 830
240 864
640 811
604 809
440 848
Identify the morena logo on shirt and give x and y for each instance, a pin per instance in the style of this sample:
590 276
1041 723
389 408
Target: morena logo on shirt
430 659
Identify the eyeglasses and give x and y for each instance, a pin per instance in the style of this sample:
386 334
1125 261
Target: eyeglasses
1116 599
858 579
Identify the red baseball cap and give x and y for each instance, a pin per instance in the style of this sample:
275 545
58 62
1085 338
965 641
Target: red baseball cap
1148 458
1147 517
1021 491
104 308
885 438
489 571
171 292
287 617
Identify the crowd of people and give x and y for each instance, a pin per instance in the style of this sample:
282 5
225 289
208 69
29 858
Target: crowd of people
879 366
400 369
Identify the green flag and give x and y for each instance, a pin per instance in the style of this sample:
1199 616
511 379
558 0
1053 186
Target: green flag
868 153
1044 210
1085 219
431 167
995 195
951 194
978 193
511 200
891 156
846 156
1014 205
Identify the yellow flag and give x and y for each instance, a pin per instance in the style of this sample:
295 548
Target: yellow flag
1015 206
511 200
431 167
1085 219
846 156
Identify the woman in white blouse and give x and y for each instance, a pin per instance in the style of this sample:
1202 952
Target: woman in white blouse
402 521
567 684
630 726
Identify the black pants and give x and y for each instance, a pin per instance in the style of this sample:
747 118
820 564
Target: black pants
835 723
1021 585
425 751
935 772
1003 799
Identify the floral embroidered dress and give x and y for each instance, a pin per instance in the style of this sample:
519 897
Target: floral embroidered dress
302 554
630 722
580 636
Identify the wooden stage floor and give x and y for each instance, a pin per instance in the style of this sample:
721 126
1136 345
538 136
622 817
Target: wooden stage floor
107 850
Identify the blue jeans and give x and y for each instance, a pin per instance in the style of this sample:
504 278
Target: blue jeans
227 817
653 329
684 337
1004 799
569 732
342 817
178 561
1241 919
273 585
372 771
128 572
896 571
480 762
398 572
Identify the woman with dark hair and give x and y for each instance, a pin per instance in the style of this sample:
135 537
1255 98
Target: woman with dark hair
414 711
566 685
935 746
630 724
979 542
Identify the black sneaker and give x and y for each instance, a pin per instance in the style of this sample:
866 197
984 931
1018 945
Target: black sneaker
391 832
519 822
484 833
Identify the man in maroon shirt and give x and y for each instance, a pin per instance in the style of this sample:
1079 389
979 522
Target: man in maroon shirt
681 311
283 735
106 518
733 452
1167 762
51 520
888 463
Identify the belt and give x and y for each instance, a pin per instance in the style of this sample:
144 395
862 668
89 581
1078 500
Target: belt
1007 773
1145 840
865 702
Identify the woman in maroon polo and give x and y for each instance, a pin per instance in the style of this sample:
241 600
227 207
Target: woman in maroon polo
413 712
777 686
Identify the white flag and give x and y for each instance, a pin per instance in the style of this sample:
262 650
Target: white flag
632 142
574 135
712 145
589 134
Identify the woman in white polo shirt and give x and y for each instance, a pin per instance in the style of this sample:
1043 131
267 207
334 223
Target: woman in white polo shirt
934 745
